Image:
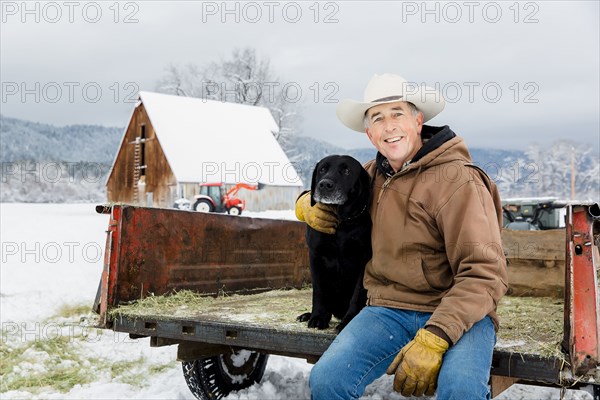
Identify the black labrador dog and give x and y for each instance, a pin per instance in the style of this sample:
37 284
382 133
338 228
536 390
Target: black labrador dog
337 262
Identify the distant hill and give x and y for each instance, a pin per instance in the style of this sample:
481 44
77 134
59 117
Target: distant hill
24 140
84 154
305 152
517 173
43 163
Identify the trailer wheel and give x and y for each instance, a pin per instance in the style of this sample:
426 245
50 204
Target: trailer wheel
215 377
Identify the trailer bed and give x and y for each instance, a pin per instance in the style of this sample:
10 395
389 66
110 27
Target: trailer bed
528 342
248 269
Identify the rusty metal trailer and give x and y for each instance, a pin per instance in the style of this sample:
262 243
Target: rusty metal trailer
247 279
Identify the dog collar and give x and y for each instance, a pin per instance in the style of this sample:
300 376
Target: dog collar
357 215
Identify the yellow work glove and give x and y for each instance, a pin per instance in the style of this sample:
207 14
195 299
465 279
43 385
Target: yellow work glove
320 217
418 364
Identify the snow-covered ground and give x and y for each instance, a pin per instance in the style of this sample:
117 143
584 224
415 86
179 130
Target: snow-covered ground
51 262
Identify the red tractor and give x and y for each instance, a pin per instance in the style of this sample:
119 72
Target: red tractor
213 198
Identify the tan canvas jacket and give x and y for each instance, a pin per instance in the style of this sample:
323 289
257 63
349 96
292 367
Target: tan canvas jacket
436 240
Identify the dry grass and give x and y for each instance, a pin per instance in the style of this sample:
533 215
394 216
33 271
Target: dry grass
528 324
56 357
276 309
182 303
531 325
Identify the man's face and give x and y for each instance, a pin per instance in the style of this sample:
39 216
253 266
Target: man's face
395 131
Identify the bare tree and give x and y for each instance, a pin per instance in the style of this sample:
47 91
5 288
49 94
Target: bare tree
553 170
244 78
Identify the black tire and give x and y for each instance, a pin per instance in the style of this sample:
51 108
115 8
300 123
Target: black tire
234 211
215 377
203 205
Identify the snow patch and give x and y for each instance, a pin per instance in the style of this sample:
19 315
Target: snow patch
503 344
238 359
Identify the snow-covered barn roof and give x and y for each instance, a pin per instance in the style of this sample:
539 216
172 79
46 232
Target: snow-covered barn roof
213 141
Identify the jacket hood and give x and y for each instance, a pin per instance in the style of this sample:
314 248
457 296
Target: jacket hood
440 145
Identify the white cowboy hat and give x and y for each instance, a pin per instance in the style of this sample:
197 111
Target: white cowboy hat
388 88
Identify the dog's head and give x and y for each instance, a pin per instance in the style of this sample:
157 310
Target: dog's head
339 180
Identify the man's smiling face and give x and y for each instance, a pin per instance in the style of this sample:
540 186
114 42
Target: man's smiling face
395 131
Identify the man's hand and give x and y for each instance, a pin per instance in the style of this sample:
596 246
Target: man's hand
418 364
321 217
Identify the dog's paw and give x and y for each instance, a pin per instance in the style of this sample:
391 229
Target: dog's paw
318 322
303 317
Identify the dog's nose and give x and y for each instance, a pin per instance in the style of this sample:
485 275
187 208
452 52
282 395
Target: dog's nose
326 184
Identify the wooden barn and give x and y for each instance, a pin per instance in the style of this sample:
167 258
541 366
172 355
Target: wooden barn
172 144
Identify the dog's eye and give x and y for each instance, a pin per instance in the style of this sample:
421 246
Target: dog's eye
322 170
346 171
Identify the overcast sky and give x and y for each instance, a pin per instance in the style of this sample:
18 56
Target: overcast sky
513 73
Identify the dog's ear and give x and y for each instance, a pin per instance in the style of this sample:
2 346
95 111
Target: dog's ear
313 185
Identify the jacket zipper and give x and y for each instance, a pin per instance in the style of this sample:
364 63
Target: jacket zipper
388 180
384 187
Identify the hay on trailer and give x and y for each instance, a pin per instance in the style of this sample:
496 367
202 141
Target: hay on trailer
532 325
275 309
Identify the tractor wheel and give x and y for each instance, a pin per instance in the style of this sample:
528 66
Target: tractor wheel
203 205
234 210
215 377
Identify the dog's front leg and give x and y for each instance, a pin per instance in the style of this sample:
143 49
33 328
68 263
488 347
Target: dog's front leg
357 302
319 317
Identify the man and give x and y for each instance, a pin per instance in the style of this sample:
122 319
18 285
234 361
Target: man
438 269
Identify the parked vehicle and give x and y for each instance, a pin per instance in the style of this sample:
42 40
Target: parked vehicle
530 214
182 204
214 198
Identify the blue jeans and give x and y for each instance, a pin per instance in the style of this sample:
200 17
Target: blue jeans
362 352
